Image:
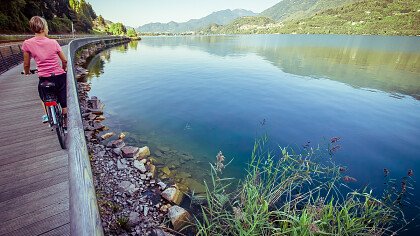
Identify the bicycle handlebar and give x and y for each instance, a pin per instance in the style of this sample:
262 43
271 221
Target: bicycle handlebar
33 71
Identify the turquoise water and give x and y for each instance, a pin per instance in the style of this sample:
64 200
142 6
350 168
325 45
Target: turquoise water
199 95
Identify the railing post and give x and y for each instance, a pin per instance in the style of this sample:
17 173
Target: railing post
4 61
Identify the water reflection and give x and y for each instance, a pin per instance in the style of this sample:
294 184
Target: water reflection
96 66
390 64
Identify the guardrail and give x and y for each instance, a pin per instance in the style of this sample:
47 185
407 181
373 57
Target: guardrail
12 55
84 214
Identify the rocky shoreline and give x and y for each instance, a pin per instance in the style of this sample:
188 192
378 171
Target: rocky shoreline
132 200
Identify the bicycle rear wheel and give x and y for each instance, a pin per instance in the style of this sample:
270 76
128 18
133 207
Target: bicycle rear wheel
59 126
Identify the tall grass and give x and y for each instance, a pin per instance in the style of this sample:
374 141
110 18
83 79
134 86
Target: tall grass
295 194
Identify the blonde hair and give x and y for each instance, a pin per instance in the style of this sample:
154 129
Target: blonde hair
38 25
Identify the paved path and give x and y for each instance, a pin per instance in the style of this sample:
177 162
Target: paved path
34 191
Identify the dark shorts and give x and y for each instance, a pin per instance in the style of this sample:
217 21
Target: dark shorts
60 82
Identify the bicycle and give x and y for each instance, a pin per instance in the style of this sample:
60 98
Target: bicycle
53 109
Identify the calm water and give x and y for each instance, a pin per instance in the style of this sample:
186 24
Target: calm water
199 95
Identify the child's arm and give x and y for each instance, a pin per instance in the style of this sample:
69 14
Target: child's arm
63 60
26 62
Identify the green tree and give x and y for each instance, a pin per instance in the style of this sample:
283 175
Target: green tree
131 33
117 29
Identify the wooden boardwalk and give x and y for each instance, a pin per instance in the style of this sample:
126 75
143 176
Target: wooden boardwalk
34 190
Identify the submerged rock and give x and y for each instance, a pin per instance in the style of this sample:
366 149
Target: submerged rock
144 152
179 217
116 144
173 195
107 135
130 151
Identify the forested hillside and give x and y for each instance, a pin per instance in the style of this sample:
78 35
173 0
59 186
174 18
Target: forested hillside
379 17
15 14
294 9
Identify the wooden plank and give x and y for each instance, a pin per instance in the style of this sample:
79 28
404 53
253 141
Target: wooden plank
63 230
18 181
14 192
40 224
28 199
33 161
35 206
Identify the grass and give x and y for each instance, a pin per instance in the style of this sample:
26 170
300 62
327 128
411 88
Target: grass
297 194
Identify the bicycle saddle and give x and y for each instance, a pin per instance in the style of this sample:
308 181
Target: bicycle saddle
47 84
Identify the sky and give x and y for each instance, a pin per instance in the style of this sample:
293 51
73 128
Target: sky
135 13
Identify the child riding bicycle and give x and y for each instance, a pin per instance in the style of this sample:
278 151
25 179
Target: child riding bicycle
46 52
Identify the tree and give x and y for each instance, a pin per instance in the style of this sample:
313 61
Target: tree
117 29
131 33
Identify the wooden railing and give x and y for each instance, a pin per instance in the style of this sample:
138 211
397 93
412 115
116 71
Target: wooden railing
84 214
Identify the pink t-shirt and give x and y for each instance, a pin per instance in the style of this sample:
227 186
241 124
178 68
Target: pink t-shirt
45 53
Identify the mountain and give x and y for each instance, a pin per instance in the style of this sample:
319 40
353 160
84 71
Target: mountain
377 17
219 17
294 9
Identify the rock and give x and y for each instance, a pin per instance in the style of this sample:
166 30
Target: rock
166 171
139 166
129 151
96 111
107 135
179 217
100 118
127 186
158 153
124 185
163 148
159 232
173 195
195 186
152 170
143 177
134 218
145 210
162 185
117 151
116 144
120 165
144 152
121 136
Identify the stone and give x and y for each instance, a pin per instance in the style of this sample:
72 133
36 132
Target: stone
179 217
195 186
158 153
143 152
143 177
127 186
116 144
117 151
152 170
120 165
129 151
100 118
134 218
173 195
166 171
145 210
121 136
107 135
162 185
163 148
139 166
160 232
124 185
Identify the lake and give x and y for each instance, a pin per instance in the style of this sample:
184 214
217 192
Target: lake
193 96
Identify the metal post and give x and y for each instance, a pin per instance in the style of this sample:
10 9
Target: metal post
5 62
